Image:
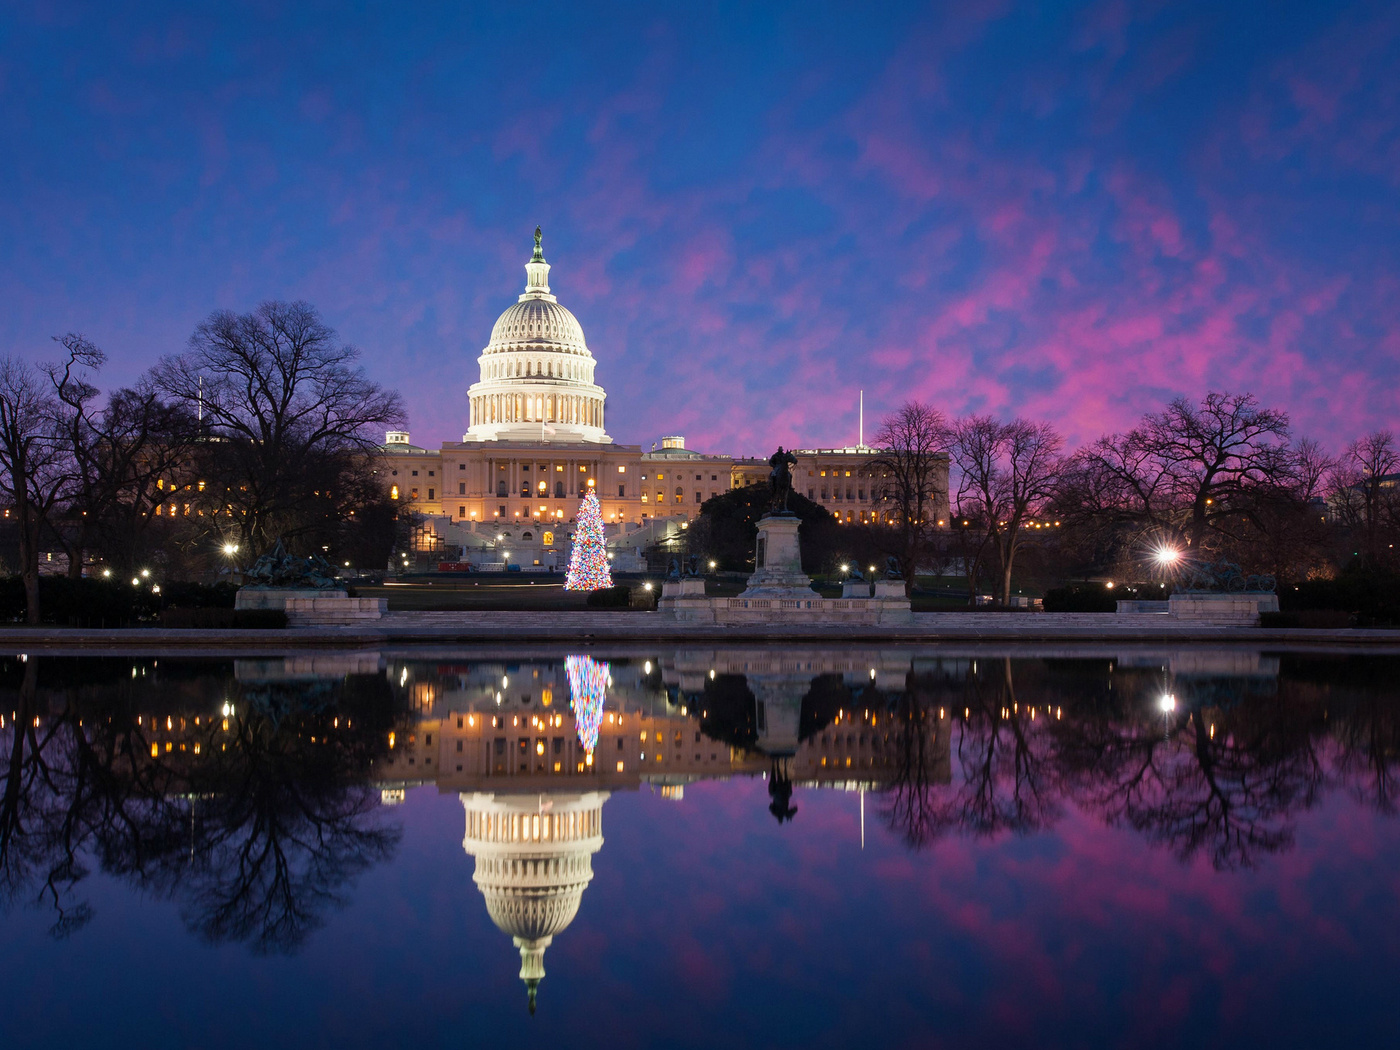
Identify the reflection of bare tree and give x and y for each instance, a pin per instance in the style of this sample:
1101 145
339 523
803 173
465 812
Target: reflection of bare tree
1230 795
1368 750
33 828
1363 719
1225 784
257 838
1221 783
1004 783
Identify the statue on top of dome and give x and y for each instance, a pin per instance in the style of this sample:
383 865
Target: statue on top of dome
539 250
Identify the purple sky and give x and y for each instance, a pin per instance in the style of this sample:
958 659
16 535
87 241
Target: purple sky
1072 212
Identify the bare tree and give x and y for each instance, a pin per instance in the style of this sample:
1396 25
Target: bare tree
910 475
1192 472
1364 493
291 410
1007 473
120 452
35 469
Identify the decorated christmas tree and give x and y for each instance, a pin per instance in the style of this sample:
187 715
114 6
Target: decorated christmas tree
588 682
588 561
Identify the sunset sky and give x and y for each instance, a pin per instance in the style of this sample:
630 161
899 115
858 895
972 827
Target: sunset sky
1070 212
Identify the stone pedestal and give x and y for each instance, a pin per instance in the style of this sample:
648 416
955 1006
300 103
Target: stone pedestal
311 607
779 592
686 587
1222 607
685 600
778 561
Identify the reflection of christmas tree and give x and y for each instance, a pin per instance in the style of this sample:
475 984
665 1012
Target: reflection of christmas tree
588 561
588 681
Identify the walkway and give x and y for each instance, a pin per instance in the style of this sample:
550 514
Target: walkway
441 628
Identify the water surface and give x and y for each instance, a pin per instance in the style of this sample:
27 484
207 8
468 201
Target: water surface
739 847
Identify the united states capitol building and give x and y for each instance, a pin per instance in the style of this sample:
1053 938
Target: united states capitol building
537 441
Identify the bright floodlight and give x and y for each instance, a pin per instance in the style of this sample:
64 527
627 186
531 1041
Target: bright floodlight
230 548
1166 555
1167 703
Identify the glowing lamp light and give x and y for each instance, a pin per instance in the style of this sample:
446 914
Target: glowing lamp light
230 548
1167 703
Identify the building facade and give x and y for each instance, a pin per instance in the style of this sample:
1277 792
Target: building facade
536 443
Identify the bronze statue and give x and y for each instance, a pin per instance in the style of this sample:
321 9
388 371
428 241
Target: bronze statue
278 569
539 249
780 481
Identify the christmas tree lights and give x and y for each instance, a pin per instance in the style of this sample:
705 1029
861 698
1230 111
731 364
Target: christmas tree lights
588 681
588 561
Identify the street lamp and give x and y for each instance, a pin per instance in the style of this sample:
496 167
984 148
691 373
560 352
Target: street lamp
1166 556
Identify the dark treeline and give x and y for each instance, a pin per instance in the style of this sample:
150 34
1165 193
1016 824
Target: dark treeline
264 427
248 805
1224 479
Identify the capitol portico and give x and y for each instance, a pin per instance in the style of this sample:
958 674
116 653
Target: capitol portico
536 443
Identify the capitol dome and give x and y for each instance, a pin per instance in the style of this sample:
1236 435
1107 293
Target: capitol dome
536 372
534 859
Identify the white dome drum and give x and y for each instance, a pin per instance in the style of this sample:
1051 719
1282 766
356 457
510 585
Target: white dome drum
534 859
536 372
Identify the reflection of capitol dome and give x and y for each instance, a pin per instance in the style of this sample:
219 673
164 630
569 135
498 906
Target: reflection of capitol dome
536 372
533 861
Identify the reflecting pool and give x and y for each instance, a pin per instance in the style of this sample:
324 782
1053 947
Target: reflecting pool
701 847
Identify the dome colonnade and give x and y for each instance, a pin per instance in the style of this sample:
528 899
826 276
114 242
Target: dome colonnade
536 371
534 859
